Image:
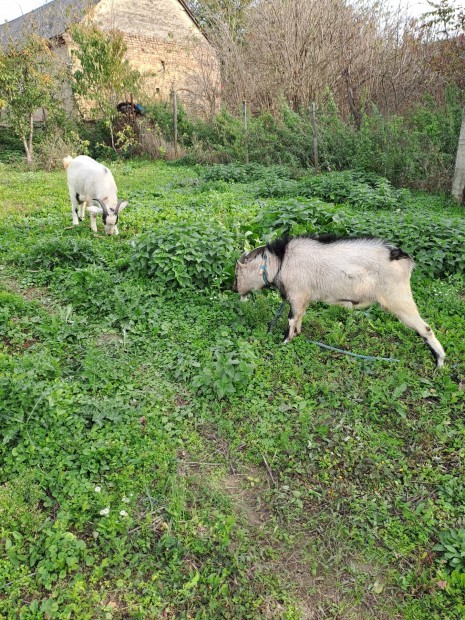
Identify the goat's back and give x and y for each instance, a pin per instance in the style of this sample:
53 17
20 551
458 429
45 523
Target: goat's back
90 178
342 267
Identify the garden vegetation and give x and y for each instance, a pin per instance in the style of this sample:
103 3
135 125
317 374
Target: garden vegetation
163 455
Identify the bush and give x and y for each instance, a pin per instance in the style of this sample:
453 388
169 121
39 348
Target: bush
184 255
228 369
358 189
60 251
245 173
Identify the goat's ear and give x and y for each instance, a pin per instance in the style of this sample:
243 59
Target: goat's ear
240 265
122 204
95 210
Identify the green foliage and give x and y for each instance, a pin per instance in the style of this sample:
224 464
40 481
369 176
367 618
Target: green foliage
416 150
53 252
29 80
452 548
104 76
11 149
361 190
245 173
190 254
161 115
161 454
228 369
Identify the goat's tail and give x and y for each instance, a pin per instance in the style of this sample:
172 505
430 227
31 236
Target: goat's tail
66 161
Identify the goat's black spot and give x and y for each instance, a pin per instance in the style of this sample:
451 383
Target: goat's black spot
291 313
351 301
398 254
278 247
327 238
77 198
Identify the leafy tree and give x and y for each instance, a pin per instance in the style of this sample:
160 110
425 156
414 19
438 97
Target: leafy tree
104 75
29 80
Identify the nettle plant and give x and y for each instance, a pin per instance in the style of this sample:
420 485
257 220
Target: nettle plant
452 548
185 255
229 368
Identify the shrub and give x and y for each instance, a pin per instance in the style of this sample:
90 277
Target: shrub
60 251
359 189
229 368
182 255
245 173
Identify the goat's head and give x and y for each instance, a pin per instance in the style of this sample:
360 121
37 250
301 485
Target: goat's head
248 275
109 215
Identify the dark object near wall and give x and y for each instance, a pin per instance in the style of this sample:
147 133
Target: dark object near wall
126 107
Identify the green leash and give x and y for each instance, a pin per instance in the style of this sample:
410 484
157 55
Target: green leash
327 346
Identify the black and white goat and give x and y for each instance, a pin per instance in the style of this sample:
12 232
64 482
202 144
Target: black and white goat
349 272
88 182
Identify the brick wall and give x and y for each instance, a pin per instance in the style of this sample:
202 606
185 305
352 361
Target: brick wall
166 47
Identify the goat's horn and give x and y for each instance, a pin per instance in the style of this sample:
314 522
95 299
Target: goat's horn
102 204
118 206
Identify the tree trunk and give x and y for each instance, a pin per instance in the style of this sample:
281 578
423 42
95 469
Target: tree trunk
27 151
27 142
458 183
350 96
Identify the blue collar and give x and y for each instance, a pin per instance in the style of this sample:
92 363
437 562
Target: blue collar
264 271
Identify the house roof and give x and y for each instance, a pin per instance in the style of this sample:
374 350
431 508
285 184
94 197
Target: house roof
52 19
48 21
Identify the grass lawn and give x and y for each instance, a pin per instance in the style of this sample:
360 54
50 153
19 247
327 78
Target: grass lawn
163 456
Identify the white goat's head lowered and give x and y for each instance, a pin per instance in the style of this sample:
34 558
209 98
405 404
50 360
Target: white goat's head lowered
91 182
348 272
109 214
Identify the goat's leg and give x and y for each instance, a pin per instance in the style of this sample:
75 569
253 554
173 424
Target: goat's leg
408 314
74 209
82 210
296 313
93 221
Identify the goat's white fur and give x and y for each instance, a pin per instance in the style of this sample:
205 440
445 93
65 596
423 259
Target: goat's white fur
353 273
89 181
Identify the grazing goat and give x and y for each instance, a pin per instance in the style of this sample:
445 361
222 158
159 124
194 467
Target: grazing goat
349 272
89 181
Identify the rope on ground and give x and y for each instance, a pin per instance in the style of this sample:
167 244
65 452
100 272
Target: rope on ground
327 346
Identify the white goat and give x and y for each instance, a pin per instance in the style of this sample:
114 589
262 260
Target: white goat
89 181
353 273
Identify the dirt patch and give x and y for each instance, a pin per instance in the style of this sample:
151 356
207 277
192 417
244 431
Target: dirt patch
108 339
321 569
31 293
247 498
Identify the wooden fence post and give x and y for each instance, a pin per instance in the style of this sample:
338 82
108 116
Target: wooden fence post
175 122
316 162
244 119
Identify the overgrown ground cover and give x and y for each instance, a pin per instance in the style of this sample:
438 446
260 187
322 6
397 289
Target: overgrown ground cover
163 456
